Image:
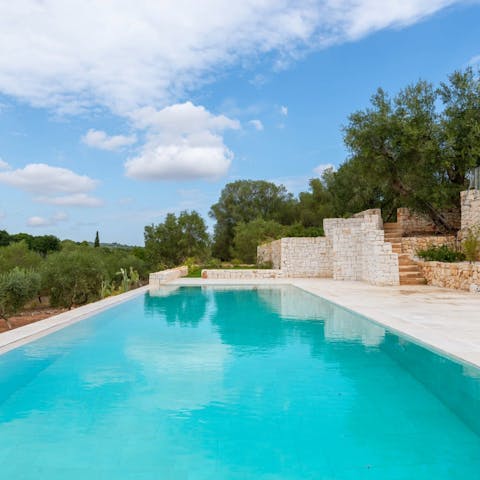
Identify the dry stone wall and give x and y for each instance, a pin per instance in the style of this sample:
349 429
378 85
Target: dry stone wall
460 276
411 245
244 274
298 256
270 253
159 278
412 223
359 251
470 201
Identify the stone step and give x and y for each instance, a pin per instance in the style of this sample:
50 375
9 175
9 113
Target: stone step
392 228
408 268
410 275
413 281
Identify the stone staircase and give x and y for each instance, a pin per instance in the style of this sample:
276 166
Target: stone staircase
409 271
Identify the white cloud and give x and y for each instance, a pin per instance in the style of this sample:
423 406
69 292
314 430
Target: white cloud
153 52
320 169
47 222
41 178
38 222
53 185
284 110
74 200
99 139
474 61
257 124
60 217
183 142
4 165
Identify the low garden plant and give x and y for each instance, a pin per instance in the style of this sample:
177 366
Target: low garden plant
442 253
471 244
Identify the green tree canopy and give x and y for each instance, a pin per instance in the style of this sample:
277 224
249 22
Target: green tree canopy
315 205
18 255
170 243
414 150
244 201
45 243
73 276
4 238
249 235
17 287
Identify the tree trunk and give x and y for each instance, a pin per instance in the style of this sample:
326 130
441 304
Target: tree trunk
7 321
437 217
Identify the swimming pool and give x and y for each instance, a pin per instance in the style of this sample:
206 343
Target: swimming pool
235 383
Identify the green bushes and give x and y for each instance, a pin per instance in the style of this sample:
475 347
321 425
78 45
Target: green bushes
470 250
17 287
471 244
249 235
442 253
178 238
18 255
73 277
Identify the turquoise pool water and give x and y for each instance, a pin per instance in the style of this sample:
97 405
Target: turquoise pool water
241 383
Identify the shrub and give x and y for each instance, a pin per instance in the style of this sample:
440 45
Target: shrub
17 287
249 235
18 255
471 244
442 253
73 277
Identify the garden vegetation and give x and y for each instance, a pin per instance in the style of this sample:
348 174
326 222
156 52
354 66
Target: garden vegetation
414 149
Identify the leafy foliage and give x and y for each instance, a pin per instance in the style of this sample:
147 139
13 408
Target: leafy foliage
249 235
244 201
471 244
170 243
414 150
442 253
73 277
42 244
18 255
17 287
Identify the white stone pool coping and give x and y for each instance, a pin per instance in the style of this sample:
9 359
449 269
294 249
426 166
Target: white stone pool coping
447 321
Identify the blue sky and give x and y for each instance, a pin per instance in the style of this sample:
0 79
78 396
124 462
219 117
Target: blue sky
110 118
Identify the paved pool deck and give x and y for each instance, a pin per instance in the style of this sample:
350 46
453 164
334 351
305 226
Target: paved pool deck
447 321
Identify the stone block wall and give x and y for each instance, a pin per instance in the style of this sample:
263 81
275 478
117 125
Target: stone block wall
359 251
412 223
344 235
270 253
299 256
411 245
159 278
306 257
470 201
243 274
460 276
